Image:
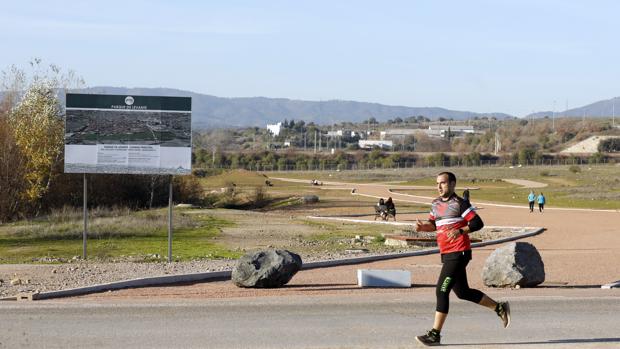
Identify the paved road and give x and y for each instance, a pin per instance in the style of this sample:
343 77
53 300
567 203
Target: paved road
389 321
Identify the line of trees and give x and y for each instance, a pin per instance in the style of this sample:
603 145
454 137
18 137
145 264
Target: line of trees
267 161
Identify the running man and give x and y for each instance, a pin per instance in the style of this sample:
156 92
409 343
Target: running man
454 218
530 199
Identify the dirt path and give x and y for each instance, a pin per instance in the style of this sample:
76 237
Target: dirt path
580 249
525 183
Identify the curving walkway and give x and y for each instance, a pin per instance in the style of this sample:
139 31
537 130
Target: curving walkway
525 183
580 246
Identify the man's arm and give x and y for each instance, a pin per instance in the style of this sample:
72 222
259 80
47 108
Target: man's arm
474 223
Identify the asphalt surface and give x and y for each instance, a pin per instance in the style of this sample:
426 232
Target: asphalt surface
388 321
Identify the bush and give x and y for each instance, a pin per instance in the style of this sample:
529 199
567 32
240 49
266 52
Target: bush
574 169
259 197
596 158
544 173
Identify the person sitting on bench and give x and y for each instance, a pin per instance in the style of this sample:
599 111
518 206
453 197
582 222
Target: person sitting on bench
390 208
381 210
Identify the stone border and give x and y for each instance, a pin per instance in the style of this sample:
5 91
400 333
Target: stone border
226 275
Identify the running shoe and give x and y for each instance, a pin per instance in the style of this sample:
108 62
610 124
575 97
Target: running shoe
503 311
430 339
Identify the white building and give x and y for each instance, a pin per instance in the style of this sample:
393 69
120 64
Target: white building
338 133
455 130
275 129
367 144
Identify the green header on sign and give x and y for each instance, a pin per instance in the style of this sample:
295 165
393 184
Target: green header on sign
128 102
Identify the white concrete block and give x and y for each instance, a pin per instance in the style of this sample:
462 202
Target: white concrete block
612 285
383 278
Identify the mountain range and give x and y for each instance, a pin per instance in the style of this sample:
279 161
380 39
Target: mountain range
211 111
604 108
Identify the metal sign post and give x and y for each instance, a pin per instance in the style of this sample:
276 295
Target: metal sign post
170 222
84 234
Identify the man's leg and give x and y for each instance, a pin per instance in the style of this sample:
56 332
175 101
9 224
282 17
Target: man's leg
442 291
440 318
463 291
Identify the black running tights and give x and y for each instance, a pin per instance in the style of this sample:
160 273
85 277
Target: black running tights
454 277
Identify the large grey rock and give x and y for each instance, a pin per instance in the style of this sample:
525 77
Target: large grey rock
517 263
310 199
266 269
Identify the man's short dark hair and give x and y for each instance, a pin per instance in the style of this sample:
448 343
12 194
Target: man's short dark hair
451 176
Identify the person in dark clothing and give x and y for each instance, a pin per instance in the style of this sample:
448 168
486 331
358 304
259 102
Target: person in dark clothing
454 218
381 209
391 209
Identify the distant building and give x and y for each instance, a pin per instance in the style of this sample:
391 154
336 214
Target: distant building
367 144
275 129
455 130
338 133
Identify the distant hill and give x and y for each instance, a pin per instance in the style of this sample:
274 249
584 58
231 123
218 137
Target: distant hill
212 111
604 108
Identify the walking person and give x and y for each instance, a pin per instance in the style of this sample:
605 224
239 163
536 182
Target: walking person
541 202
454 218
531 198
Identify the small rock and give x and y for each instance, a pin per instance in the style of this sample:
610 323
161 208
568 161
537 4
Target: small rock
54 271
16 282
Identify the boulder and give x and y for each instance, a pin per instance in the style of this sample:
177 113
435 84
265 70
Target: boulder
310 199
266 269
517 263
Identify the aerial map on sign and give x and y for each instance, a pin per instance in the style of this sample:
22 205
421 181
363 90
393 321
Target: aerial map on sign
128 134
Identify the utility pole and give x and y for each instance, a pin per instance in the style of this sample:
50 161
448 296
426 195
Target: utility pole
553 118
315 141
613 112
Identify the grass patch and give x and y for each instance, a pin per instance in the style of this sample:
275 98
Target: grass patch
595 187
138 234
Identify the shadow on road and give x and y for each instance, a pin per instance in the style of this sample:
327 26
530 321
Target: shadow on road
346 287
550 341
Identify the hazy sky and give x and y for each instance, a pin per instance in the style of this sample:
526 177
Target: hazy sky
482 56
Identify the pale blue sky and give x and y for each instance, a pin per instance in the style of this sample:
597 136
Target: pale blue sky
482 56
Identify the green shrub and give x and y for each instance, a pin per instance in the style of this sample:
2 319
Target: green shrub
574 169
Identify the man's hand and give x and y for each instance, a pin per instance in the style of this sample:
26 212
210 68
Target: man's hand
420 226
453 234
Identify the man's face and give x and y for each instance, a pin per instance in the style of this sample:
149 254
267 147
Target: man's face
444 187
